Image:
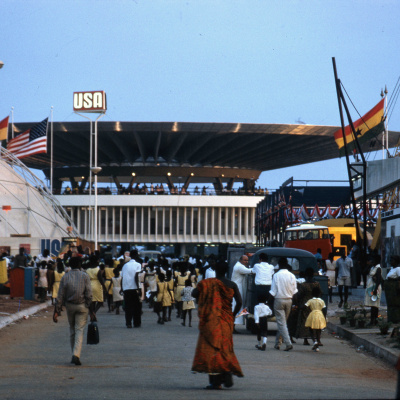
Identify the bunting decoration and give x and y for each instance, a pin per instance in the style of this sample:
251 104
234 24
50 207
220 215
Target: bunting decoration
304 213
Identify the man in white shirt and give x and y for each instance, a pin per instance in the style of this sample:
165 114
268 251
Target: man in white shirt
210 272
394 272
239 272
130 286
343 277
263 275
283 288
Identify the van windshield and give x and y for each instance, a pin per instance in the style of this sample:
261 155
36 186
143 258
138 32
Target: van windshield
307 234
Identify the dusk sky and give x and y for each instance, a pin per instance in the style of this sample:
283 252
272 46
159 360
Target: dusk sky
238 61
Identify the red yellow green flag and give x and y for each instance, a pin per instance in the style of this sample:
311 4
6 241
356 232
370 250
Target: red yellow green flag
4 129
367 127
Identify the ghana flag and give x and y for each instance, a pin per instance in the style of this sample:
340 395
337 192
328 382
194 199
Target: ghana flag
4 129
367 127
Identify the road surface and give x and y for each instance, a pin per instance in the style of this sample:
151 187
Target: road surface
154 361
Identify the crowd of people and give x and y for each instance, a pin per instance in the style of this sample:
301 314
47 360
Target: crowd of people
82 284
160 189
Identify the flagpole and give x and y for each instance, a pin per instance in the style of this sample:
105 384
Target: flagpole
51 150
384 131
12 123
386 125
1 145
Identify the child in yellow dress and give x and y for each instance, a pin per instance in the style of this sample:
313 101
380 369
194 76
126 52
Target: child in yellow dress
187 302
316 319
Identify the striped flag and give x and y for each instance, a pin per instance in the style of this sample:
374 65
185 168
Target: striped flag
33 141
367 127
4 129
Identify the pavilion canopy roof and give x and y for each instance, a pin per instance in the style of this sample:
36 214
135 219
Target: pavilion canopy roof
125 145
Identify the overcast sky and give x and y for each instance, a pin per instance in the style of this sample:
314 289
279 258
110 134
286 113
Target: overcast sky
238 61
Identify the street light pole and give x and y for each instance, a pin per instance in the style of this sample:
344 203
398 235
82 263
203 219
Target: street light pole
92 102
95 170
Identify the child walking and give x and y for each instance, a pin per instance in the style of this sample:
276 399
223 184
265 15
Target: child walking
116 290
187 302
164 299
42 281
170 282
261 314
316 319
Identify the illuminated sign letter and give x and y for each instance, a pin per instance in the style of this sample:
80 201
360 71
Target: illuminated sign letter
94 102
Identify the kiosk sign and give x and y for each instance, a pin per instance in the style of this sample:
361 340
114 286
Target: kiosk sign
91 102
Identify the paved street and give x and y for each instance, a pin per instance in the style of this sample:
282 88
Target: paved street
154 362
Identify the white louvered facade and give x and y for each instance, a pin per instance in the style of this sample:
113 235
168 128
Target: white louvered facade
155 219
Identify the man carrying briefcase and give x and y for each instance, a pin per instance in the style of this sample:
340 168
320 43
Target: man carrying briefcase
76 293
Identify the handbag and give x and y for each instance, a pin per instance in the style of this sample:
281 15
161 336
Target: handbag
93 336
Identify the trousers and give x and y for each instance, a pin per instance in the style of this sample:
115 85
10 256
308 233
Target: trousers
282 309
133 308
77 318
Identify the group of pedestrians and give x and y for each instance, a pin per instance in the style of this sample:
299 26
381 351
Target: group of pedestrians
279 292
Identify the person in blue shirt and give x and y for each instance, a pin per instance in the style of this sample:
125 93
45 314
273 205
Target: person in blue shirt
318 254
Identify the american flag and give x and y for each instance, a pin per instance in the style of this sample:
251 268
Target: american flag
32 141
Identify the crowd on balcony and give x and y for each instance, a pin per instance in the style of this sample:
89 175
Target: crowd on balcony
160 189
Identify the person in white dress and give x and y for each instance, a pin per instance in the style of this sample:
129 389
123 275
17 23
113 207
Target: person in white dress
330 273
239 273
373 290
118 298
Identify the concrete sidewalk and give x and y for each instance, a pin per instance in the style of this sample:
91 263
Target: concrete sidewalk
24 313
368 339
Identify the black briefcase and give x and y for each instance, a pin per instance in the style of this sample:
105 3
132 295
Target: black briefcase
93 333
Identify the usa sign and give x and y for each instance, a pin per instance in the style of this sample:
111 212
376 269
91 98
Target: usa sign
94 102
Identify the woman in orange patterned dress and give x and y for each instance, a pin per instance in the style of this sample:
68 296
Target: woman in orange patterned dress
214 352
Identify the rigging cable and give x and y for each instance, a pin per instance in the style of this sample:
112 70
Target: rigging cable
395 97
357 113
396 88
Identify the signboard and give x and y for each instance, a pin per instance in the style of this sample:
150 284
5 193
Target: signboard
90 102
26 246
54 245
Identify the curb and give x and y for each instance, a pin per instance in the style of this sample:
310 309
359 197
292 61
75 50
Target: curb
4 321
382 352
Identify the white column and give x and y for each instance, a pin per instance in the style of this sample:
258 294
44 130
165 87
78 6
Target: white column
226 225
78 222
170 224
156 224
191 224
163 224
128 213
198 223
177 224
113 224
219 224
206 239
106 225
246 222
240 224
184 224
86 225
212 224
141 225
233 224
252 218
